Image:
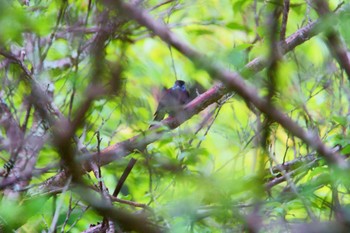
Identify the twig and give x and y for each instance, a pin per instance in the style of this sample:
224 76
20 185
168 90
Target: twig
334 41
218 108
125 175
294 189
58 210
132 203
284 20
160 4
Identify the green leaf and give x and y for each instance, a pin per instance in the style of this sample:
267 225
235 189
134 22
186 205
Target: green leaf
343 121
235 26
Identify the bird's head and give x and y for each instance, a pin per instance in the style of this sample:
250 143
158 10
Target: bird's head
179 84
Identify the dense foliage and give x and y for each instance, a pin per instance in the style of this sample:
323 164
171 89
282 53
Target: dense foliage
262 146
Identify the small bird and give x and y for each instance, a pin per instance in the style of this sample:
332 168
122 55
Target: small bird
172 100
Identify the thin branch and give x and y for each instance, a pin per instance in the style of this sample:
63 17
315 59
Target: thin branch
126 220
131 203
125 175
284 20
334 40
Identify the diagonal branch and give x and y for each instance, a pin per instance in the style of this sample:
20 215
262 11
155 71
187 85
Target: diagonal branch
334 40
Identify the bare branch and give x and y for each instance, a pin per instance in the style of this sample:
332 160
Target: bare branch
334 41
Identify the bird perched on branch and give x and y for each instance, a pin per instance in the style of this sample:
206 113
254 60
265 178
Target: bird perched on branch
172 100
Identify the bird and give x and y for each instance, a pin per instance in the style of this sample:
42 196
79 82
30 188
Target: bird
171 100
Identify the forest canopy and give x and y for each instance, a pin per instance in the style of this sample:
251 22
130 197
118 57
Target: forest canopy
174 116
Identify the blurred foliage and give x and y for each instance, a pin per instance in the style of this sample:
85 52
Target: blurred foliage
211 180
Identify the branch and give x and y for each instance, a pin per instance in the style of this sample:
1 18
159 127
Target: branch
127 221
334 41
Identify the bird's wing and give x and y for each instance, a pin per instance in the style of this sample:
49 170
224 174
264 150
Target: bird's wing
161 109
